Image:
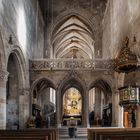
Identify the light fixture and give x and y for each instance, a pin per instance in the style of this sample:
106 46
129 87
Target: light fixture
126 61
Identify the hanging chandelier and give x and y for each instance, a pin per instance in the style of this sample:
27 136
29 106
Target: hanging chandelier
126 61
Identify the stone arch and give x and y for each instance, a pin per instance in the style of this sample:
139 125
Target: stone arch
38 81
72 77
77 83
16 59
64 17
100 100
43 95
51 84
85 17
72 33
103 85
21 66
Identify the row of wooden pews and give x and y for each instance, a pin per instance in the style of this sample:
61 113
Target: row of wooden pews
114 133
31 134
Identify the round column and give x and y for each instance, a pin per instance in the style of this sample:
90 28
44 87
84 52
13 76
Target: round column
58 110
86 108
97 104
117 119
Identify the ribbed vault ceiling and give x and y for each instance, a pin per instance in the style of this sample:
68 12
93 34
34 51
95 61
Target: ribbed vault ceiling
73 39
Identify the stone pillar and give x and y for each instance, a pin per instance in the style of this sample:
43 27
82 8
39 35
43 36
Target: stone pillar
24 108
129 118
138 116
86 110
114 105
120 116
117 118
97 103
58 110
3 80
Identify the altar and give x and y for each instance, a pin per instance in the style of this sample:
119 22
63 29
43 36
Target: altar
72 120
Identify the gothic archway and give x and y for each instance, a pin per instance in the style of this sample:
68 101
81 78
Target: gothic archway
100 104
43 99
72 83
17 109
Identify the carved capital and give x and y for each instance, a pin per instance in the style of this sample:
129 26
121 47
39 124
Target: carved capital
3 75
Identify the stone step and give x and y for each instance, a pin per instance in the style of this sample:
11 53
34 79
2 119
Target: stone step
81 132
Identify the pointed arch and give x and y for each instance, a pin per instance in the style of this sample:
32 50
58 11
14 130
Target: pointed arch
21 65
72 81
47 82
103 85
17 85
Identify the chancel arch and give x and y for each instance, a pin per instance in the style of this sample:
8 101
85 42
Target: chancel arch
43 101
100 104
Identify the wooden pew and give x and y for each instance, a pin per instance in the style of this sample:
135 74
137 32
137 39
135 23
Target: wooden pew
114 134
36 134
24 138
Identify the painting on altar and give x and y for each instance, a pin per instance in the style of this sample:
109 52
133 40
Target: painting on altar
72 102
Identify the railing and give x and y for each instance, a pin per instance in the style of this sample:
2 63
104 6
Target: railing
69 64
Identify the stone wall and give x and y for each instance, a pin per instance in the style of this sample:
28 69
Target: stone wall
106 40
91 12
22 19
121 21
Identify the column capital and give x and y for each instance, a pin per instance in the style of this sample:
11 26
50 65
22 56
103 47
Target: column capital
4 75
